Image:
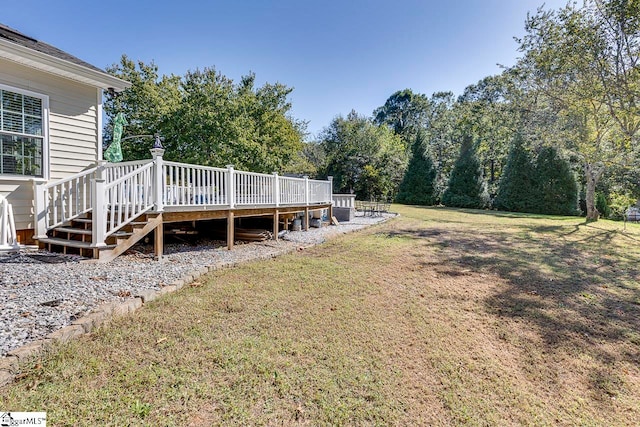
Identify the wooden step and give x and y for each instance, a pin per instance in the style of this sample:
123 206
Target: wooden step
82 220
138 223
73 230
72 243
121 234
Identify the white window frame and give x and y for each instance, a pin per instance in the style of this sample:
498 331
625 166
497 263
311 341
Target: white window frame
45 136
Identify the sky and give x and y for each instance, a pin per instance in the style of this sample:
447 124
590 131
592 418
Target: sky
337 55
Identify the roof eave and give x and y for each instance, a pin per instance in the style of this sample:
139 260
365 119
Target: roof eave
60 67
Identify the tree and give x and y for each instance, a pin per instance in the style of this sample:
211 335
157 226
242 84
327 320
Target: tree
517 191
208 119
418 185
404 112
466 187
584 62
485 109
442 137
362 157
148 104
556 185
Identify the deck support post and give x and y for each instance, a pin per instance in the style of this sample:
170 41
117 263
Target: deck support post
158 178
230 230
158 239
330 178
306 202
276 224
99 207
276 189
231 186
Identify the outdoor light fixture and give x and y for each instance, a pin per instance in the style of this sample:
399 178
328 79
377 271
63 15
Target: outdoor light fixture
157 143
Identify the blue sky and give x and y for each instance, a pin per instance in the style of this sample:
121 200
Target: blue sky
338 55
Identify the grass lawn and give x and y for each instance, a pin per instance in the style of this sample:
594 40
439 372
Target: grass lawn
438 317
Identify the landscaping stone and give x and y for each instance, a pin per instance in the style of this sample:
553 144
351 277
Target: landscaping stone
6 377
147 295
9 363
134 304
98 318
31 350
168 289
67 333
85 322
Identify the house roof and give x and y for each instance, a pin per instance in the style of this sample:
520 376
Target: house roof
28 51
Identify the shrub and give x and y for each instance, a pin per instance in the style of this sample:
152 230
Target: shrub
556 184
417 186
466 187
602 205
517 187
618 204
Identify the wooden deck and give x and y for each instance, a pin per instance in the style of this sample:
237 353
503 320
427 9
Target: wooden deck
106 209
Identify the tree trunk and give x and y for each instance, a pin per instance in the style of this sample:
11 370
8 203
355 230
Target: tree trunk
592 174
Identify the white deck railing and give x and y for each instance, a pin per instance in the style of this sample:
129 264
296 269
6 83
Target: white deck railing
344 200
120 192
193 185
115 171
8 235
125 199
61 201
292 191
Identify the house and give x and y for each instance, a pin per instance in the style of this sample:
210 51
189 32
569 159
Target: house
50 119
66 197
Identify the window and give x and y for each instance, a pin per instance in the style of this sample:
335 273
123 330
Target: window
22 133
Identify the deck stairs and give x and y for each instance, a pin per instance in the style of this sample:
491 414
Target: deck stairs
74 237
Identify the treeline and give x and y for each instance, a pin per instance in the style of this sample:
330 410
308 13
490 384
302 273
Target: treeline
206 118
555 133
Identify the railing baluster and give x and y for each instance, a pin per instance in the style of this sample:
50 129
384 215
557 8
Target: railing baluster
200 183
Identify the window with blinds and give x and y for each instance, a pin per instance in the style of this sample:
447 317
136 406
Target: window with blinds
21 134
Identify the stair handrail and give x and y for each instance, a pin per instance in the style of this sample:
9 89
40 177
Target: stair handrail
60 201
126 198
71 178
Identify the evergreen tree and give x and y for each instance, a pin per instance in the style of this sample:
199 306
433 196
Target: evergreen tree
417 186
466 187
557 187
517 191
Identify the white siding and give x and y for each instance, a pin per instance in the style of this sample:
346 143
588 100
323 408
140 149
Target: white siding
73 131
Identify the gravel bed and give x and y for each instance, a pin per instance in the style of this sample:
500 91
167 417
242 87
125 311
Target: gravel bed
41 292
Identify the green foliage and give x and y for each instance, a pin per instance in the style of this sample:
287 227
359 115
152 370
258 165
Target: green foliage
618 204
404 112
484 109
362 157
602 205
442 137
583 61
146 105
309 161
518 182
418 185
556 186
207 119
466 187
